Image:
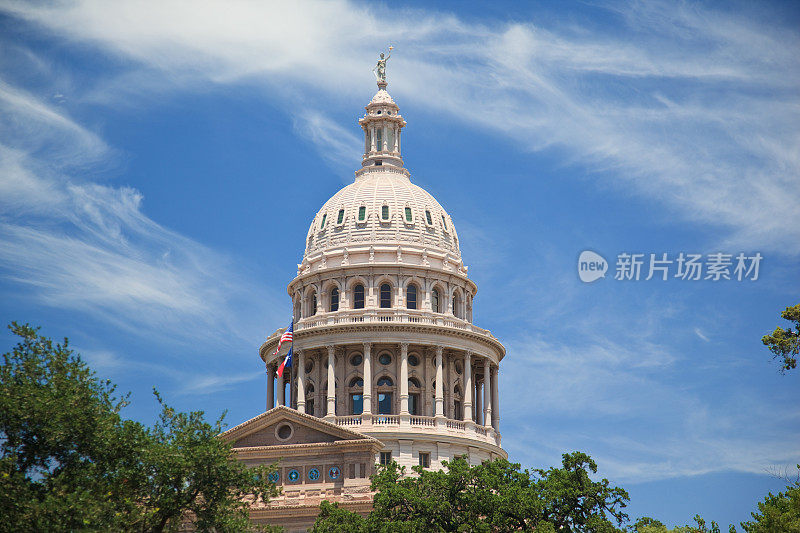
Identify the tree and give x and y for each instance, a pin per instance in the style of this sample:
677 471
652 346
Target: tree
70 462
785 343
494 496
66 453
780 512
188 471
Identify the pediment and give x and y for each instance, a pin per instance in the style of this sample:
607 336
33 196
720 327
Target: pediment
282 426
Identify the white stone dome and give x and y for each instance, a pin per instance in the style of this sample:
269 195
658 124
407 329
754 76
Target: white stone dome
382 207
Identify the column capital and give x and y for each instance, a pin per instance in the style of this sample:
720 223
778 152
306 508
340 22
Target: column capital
439 350
367 347
404 346
330 348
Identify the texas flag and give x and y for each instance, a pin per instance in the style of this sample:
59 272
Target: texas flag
287 362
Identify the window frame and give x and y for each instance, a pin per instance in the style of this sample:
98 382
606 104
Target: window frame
409 288
385 300
363 296
362 214
424 459
385 458
334 300
340 217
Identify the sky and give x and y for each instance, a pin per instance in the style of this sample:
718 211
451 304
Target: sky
160 164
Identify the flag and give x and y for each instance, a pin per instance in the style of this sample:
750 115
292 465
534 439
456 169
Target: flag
286 337
287 362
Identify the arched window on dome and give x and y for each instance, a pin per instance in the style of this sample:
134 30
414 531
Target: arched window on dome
411 296
385 391
358 297
356 396
458 412
362 213
436 305
428 217
457 305
334 299
414 403
386 296
444 223
310 399
409 215
385 212
312 304
322 224
340 216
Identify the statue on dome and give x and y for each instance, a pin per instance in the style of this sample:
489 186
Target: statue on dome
380 67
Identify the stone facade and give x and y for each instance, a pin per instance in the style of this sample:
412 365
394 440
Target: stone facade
316 461
384 344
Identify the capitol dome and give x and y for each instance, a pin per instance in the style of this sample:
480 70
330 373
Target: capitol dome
384 340
380 208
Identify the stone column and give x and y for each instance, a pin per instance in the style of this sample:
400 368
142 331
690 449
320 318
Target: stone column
487 392
404 378
367 379
301 382
496 399
331 384
270 387
439 383
478 403
468 386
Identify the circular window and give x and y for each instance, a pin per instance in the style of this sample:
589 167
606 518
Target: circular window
458 367
334 472
356 359
413 360
284 431
313 474
385 359
274 477
309 366
294 475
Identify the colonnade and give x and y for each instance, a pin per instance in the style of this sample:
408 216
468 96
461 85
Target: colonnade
479 397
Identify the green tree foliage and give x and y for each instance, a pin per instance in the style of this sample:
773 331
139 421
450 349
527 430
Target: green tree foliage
785 343
779 512
70 462
495 496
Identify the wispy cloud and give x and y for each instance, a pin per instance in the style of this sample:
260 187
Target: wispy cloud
338 145
81 245
700 334
690 106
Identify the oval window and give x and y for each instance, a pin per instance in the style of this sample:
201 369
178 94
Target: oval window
385 359
413 360
356 359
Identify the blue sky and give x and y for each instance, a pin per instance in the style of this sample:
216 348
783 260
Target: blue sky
160 164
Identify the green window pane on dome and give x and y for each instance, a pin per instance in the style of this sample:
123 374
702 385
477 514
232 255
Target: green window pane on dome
340 218
409 217
428 217
444 222
385 212
322 225
362 213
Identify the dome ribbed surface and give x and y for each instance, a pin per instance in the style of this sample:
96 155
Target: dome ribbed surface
373 191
